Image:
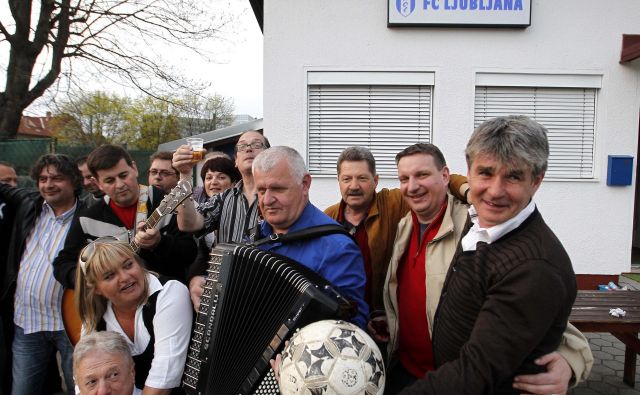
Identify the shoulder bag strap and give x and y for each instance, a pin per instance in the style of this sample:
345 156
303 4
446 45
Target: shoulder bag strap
308 233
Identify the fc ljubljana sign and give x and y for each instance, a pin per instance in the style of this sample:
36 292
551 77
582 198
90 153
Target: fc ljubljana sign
499 13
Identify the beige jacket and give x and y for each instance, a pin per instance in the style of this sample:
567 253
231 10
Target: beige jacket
574 346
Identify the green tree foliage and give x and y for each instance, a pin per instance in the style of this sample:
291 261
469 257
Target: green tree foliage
201 114
152 122
92 119
143 123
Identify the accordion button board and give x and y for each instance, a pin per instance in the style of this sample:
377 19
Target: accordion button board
252 303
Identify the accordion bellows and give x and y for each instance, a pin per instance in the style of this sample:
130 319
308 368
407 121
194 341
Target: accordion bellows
252 302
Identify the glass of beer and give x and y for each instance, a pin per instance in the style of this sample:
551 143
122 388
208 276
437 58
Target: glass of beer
197 147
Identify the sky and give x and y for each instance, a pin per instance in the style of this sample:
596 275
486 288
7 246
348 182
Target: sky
234 71
241 77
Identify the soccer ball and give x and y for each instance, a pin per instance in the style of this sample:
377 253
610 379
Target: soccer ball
331 357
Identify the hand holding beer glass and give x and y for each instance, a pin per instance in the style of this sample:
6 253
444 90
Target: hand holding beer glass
197 148
187 156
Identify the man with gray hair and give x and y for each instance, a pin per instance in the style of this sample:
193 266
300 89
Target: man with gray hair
282 182
510 286
102 364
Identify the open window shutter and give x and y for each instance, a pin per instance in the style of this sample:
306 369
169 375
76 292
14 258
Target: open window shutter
383 118
567 113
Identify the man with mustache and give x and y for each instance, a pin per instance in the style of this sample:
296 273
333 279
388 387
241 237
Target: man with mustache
123 210
372 217
31 297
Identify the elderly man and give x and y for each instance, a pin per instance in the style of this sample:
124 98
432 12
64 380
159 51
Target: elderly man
495 323
161 174
42 220
372 217
283 182
102 364
122 214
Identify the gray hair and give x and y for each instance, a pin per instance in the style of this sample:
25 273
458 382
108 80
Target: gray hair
102 342
357 154
269 158
513 139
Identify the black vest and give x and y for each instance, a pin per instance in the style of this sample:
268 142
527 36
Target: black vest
143 361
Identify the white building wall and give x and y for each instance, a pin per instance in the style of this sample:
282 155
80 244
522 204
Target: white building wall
593 220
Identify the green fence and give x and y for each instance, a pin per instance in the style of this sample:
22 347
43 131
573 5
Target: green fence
23 153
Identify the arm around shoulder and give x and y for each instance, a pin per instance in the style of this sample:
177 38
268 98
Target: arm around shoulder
575 349
15 196
64 265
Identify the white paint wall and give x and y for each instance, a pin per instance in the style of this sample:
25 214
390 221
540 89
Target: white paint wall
593 221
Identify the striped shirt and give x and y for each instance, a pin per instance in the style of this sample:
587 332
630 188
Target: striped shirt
230 214
38 294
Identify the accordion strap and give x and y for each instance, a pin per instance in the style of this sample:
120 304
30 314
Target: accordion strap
308 233
348 309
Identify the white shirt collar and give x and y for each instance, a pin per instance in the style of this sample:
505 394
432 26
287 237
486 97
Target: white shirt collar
494 233
141 335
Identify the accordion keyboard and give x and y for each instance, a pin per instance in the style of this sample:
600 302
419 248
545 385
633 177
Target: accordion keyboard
252 302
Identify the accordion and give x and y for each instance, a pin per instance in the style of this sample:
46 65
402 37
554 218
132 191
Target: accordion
252 302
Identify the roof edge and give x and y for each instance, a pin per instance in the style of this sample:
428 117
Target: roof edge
630 47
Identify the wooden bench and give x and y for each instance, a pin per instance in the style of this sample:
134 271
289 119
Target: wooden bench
590 313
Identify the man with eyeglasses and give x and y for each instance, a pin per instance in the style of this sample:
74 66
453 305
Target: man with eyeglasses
232 214
122 213
161 174
31 297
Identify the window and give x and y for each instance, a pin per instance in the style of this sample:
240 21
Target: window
568 113
383 111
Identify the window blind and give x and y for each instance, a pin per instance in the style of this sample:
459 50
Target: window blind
567 113
383 118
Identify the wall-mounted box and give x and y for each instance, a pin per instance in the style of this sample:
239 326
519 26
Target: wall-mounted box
619 170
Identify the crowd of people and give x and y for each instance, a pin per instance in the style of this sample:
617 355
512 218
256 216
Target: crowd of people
444 272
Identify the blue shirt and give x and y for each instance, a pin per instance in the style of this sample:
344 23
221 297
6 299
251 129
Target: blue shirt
336 257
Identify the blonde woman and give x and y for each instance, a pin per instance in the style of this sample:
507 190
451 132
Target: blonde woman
115 292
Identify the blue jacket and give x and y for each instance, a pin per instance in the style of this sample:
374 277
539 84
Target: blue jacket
335 257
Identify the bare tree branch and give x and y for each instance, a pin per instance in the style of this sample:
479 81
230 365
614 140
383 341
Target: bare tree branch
117 37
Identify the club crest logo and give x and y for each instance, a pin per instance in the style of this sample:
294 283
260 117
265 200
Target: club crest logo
405 7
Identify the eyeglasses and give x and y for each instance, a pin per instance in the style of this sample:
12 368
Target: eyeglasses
90 248
162 173
256 145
